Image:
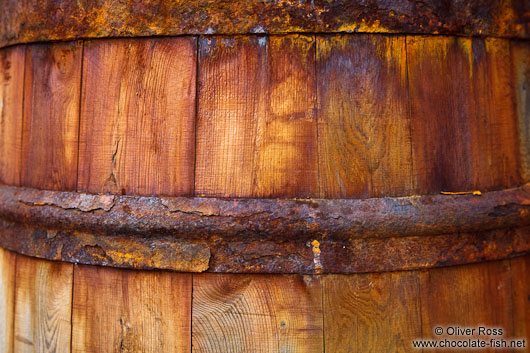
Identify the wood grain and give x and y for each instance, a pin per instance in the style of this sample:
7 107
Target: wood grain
11 102
464 131
372 312
521 67
256 128
43 305
442 113
467 296
131 311
257 313
7 294
51 116
495 123
137 131
520 271
363 126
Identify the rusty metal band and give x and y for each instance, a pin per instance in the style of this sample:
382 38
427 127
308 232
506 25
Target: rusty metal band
265 235
48 20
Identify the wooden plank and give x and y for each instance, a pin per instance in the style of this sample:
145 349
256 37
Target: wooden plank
363 126
256 128
257 313
468 297
43 305
497 148
442 113
372 312
7 293
521 65
129 311
11 101
520 270
51 115
138 116
464 129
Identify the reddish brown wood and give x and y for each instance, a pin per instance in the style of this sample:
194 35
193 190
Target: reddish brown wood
256 129
495 121
521 68
442 113
363 126
51 115
467 296
372 312
464 131
11 101
131 311
138 117
520 271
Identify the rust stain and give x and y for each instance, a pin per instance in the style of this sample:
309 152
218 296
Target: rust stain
197 217
46 20
265 235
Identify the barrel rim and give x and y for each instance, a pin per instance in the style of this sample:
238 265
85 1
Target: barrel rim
63 20
195 234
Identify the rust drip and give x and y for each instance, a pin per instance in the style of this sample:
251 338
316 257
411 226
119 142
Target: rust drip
49 20
265 235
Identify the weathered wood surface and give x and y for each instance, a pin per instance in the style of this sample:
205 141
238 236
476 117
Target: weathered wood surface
468 296
277 116
7 297
372 312
51 115
521 67
464 135
441 101
130 311
257 313
138 117
43 304
256 127
11 101
520 286
364 144
495 124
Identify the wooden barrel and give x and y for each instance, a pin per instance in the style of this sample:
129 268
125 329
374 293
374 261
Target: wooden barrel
266 176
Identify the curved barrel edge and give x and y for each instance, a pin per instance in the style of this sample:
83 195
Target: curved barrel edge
53 20
266 235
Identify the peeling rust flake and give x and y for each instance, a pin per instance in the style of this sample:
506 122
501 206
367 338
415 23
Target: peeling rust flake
273 219
47 20
265 235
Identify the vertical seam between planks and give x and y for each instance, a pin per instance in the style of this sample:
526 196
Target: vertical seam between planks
317 113
13 307
191 314
79 118
409 113
510 268
514 97
323 314
72 309
196 117
21 153
419 274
